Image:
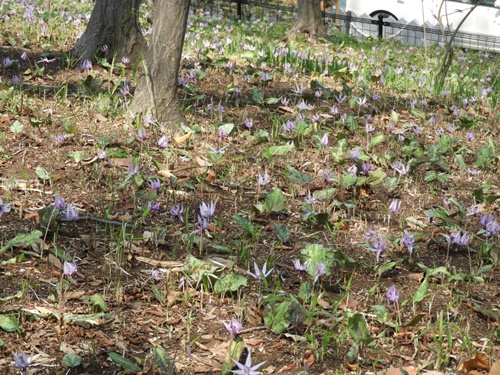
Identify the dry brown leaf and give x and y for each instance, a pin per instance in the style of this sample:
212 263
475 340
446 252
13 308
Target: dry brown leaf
254 342
351 303
495 368
397 371
183 138
77 295
121 162
55 261
165 173
480 361
416 276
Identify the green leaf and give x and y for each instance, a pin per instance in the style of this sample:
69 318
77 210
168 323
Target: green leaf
16 127
157 293
230 283
9 323
126 364
42 173
72 360
421 291
22 240
381 313
349 180
314 254
98 303
163 361
257 95
275 201
78 156
282 231
227 127
276 150
378 139
245 224
325 193
296 176
8 298
278 318
376 177
385 267
272 100
394 117
357 328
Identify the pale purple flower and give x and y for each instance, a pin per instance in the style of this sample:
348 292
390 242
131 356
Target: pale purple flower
153 207
133 170
263 179
45 60
366 168
4 208
298 266
470 135
86 65
378 246
473 210
258 275
369 127
400 167
125 60
473 171
311 198
439 131
324 140
125 90
218 150
102 154
60 138
395 206
16 79
361 101
234 326
142 134
177 211
326 175
247 368
334 110
155 184
202 224
163 141
104 49
340 99
157 275
24 56
408 240
289 126
69 269
249 122
220 108
207 210
71 213
22 361
319 270
298 89
7 62
222 133
355 154
59 202
352 169
284 101
393 295
303 106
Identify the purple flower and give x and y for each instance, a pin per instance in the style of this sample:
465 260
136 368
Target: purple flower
470 135
22 361
258 275
142 134
153 207
4 208
71 213
69 269
378 246
102 154
59 202
157 275
222 133
369 127
60 138
298 266
7 62
163 141
202 224
393 295
125 60
395 206
249 122
400 167
352 169
155 184
324 140
24 56
247 369
319 270
302 106
289 126
125 90
311 198
104 49
177 211
355 154
366 168
86 65
473 210
16 79
46 60
408 240
207 210
326 175
263 180
334 110
234 326
133 170
284 101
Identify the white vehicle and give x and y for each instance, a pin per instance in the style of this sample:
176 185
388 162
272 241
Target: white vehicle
446 14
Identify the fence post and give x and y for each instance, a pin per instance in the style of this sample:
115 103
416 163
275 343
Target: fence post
238 7
348 22
380 25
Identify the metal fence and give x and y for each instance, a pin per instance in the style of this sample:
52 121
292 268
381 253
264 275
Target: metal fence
358 26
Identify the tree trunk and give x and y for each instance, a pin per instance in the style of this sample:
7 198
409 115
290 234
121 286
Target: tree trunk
309 20
157 89
113 23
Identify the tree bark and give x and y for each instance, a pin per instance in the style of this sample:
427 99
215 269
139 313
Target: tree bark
113 23
157 89
309 20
